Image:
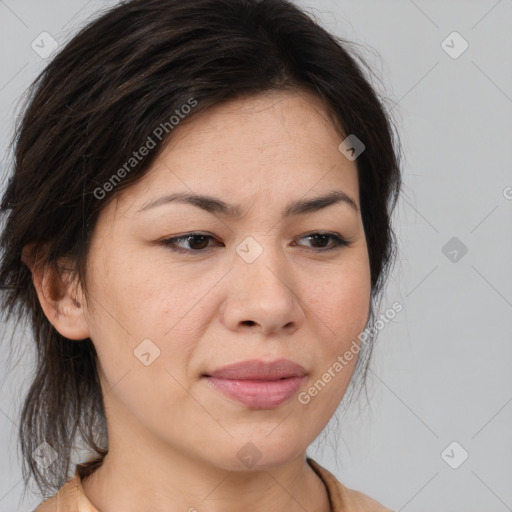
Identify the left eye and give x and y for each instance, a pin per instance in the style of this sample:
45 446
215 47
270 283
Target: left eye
199 243
322 237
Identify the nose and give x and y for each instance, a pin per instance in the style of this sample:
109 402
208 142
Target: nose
263 296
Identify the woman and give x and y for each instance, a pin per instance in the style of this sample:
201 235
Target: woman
199 228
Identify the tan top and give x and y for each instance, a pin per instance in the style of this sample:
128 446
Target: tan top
71 496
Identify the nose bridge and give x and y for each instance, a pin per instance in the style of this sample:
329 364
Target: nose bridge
260 260
264 293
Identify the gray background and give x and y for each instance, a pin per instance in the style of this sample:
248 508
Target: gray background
442 369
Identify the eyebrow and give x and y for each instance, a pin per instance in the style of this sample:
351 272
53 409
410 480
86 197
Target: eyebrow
214 205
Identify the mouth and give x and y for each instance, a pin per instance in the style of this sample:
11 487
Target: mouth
258 394
258 384
256 369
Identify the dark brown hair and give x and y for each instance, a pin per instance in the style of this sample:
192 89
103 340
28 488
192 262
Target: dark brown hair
98 100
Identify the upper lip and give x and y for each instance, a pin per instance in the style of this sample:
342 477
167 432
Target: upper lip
256 369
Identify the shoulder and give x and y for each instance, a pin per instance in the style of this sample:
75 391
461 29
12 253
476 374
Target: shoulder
364 502
343 498
65 500
52 504
46 506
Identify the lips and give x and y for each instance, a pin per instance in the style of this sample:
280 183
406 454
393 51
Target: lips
259 370
257 384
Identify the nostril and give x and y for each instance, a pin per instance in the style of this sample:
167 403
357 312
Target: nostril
248 322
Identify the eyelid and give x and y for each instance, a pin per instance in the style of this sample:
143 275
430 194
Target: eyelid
340 242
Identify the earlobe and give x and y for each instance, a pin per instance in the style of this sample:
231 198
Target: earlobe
57 293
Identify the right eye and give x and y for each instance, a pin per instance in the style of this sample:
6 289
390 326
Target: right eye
198 243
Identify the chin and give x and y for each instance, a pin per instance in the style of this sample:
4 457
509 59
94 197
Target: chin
258 456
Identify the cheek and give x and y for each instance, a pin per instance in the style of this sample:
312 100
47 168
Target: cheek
140 294
339 298
144 358
149 312
339 311
353 300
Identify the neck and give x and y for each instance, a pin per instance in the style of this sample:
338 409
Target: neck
132 481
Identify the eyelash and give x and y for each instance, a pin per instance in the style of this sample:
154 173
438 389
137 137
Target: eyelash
170 242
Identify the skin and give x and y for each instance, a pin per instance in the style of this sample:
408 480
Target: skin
173 440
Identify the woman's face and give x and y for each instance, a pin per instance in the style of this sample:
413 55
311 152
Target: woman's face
261 285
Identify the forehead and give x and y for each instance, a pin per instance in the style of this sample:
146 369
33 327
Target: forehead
263 121
275 146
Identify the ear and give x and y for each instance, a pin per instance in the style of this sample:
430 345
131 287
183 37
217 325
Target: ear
60 295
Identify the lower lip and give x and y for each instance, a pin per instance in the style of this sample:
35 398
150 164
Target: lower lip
258 394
